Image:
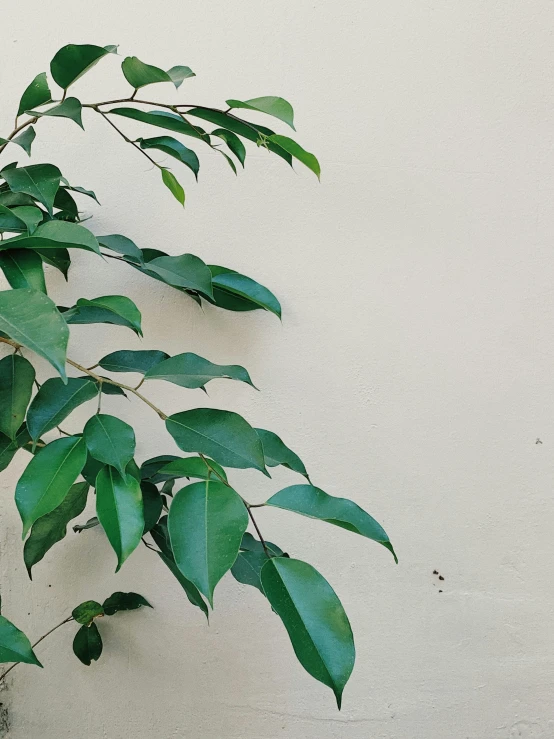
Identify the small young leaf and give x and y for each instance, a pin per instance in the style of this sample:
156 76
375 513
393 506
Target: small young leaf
110 440
298 153
17 376
86 612
174 148
132 361
124 602
275 106
14 645
87 644
55 401
191 371
73 60
206 522
23 269
38 93
179 73
276 452
173 185
41 181
69 108
90 524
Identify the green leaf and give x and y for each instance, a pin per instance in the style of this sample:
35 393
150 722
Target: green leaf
173 185
297 152
233 142
313 615
138 74
48 477
40 181
69 108
185 271
52 528
17 376
206 522
234 291
190 467
250 544
162 119
126 360
120 511
54 235
110 440
124 602
275 106
315 503
32 319
25 139
23 268
114 309
87 644
58 258
149 468
38 93
276 453
30 215
152 502
222 435
8 448
191 371
248 567
121 245
14 645
90 524
174 148
55 401
10 221
81 191
86 612
179 74
73 60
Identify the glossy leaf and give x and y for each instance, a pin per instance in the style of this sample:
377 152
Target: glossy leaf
37 93
73 60
55 401
162 119
69 108
10 221
110 440
149 468
276 452
55 235
138 74
124 602
313 615
25 139
132 361
248 567
173 185
174 148
315 503
233 142
206 522
87 644
14 645
52 528
31 318
40 181
152 502
121 245
58 258
86 612
191 371
185 271
297 152
30 215
271 105
222 435
17 376
114 309
234 291
120 511
48 477
191 467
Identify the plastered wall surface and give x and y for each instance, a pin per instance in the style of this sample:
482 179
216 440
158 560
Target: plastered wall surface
413 370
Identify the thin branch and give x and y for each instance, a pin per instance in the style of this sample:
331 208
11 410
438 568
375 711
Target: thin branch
126 138
66 621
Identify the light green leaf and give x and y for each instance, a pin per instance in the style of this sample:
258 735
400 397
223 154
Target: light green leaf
163 119
52 528
86 612
233 142
173 185
206 522
55 401
17 376
234 291
276 452
87 644
38 93
315 503
121 245
191 467
32 319
120 511
178 74
40 181
73 60
313 615
174 148
115 309
14 645
23 269
48 477
69 108
55 235
124 602
297 152
222 435
191 371
275 106
185 271
110 440
126 360
25 139
138 74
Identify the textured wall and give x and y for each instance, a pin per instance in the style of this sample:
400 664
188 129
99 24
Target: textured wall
413 371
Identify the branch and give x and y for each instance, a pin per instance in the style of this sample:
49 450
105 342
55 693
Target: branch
66 621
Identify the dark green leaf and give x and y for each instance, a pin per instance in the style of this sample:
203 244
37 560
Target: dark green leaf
248 567
17 376
81 191
31 216
173 185
10 221
40 181
277 453
162 119
315 503
250 544
90 524
86 612
222 435
52 528
55 401
58 258
14 645
152 503
191 467
106 387
120 511
48 477
121 245
8 448
110 440
191 371
114 309
54 235
66 206
206 522
149 468
69 108
174 148
233 142
132 361
87 644
73 60
38 93
31 318
275 106
25 139
297 152
230 284
185 270
124 602
315 620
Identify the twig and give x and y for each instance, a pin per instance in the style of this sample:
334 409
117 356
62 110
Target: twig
66 621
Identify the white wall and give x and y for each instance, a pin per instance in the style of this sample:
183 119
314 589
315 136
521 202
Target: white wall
413 371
